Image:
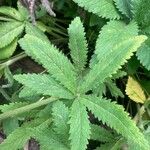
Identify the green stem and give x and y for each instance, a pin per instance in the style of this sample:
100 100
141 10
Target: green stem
12 60
5 95
27 108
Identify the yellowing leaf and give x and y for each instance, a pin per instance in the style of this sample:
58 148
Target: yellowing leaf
134 91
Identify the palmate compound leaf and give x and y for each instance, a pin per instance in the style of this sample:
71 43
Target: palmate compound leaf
44 84
135 91
124 7
103 8
10 12
116 44
115 117
143 54
54 61
8 50
9 31
79 126
78 44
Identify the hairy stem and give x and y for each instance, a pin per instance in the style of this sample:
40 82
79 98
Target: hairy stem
12 60
27 108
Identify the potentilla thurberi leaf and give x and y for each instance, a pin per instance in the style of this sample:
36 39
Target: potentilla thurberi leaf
124 7
99 133
44 84
10 12
9 31
79 126
35 31
115 45
8 50
143 54
60 115
54 61
115 117
78 44
141 13
102 8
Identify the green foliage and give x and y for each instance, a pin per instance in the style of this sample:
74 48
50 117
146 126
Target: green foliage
55 62
102 8
8 50
101 134
111 54
124 7
140 9
72 92
143 54
60 119
46 85
9 31
79 126
10 12
104 110
78 44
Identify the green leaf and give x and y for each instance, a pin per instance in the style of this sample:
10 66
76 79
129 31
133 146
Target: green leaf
46 137
46 85
114 90
143 54
19 137
78 44
12 106
79 126
141 13
114 145
119 74
10 12
9 125
124 7
8 50
60 118
27 92
100 134
9 31
35 31
48 140
115 117
115 45
23 11
102 8
53 60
